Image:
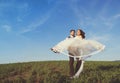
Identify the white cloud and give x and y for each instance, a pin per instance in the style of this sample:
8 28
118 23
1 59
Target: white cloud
85 18
116 16
4 5
19 19
23 6
7 28
111 21
23 10
102 38
36 24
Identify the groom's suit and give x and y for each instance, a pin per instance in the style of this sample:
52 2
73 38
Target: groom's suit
71 61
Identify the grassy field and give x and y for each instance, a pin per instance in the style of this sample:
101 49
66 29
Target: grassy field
58 72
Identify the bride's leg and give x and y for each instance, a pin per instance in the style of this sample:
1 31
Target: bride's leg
77 74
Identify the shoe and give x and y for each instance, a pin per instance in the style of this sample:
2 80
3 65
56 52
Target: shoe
71 77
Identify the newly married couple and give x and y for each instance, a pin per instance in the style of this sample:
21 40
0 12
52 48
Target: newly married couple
77 47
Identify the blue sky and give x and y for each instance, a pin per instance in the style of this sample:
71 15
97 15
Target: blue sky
29 28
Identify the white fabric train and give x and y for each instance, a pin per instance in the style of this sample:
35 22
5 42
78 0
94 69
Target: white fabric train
78 48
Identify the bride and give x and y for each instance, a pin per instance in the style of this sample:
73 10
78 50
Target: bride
78 47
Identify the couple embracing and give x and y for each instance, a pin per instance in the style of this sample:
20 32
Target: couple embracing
79 34
77 47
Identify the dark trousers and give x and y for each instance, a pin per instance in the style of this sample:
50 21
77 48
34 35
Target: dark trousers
71 65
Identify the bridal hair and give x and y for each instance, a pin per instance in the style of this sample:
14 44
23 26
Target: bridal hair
82 33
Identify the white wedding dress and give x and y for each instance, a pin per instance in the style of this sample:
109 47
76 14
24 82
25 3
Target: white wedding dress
79 48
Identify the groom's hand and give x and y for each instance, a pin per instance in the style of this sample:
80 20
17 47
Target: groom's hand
55 51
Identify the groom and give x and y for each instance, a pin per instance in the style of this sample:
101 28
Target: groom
71 59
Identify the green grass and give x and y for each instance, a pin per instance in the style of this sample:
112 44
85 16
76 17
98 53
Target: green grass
58 72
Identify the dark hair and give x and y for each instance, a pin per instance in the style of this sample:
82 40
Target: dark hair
72 30
82 33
